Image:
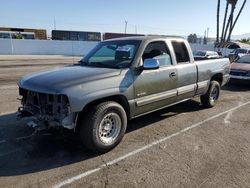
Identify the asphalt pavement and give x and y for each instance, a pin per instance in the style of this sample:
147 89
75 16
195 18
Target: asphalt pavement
184 145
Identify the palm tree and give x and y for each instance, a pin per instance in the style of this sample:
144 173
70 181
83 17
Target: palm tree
229 22
232 1
235 21
218 21
224 22
230 19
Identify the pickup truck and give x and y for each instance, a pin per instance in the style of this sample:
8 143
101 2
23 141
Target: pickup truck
120 79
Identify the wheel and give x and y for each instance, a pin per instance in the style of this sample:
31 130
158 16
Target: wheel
103 127
210 98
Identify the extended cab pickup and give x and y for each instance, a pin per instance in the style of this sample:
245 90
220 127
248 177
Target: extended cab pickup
119 80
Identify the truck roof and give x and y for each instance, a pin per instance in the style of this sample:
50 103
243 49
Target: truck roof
147 37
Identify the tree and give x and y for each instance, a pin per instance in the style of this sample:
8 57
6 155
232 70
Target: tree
192 38
224 22
230 18
236 19
228 22
218 21
17 36
246 41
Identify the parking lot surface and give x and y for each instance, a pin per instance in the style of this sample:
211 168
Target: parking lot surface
184 145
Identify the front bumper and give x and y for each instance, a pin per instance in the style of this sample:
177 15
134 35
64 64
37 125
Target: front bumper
239 77
226 79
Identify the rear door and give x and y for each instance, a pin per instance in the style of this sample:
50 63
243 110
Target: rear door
155 89
186 69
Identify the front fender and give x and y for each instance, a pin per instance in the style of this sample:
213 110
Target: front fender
78 104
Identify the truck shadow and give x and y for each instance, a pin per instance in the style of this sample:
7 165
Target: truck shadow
140 122
20 155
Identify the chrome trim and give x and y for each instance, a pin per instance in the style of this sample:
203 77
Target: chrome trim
186 89
226 79
160 108
156 97
240 77
203 84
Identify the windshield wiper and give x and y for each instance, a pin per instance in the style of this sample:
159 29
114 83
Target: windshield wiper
97 64
94 64
100 64
82 62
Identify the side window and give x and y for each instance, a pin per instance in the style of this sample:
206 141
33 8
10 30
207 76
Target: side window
181 52
158 50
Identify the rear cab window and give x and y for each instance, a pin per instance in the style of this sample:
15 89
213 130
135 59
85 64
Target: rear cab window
181 52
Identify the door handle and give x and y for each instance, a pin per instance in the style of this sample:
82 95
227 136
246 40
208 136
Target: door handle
172 74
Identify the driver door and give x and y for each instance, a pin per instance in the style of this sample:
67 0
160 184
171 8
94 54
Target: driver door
155 89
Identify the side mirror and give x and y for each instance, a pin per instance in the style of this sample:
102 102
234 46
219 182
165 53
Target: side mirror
151 64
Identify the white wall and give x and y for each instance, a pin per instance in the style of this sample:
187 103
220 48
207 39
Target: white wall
5 46
45 47
57 47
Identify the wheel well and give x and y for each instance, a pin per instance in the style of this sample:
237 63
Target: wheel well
217 77
116 98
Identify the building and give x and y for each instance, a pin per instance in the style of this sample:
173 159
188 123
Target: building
76 35
23 33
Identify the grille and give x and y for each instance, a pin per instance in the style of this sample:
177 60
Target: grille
238 73
44 104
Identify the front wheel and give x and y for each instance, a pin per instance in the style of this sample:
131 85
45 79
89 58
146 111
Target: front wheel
103 127
210 98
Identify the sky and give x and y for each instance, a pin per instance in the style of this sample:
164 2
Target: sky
167 17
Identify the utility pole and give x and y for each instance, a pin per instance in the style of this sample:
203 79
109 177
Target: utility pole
54 23
135 29
207 32
205 37
126 24
11 43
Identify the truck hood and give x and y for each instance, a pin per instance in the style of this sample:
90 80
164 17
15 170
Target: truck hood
240 66
56 80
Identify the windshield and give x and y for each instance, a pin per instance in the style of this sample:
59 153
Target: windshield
200 53
112 54
244 59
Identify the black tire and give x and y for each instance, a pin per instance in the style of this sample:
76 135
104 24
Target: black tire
210 98
103 127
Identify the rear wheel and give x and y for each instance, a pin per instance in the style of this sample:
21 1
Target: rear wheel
210 98
103 127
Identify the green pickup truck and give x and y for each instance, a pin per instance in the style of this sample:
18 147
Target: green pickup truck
119 80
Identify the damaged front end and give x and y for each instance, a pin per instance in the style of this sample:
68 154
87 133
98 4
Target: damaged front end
46 110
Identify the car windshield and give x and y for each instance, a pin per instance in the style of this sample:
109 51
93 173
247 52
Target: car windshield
112 54
244 59
200 53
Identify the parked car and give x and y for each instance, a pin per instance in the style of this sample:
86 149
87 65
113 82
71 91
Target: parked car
237 53
119 80
201 55
240 69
